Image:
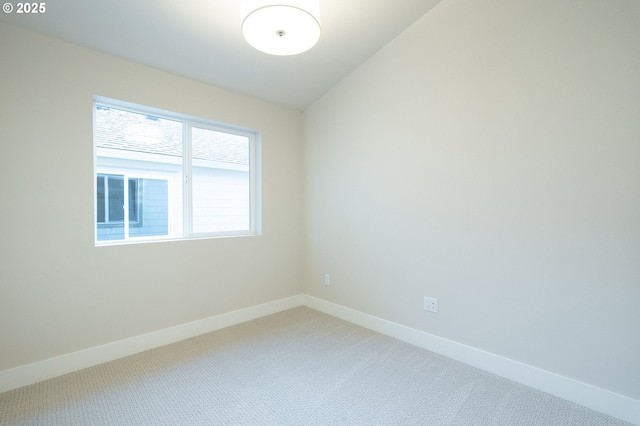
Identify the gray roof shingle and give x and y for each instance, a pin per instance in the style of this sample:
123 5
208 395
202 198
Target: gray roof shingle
132 131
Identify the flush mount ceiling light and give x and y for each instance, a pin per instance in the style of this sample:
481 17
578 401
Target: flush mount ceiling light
285 27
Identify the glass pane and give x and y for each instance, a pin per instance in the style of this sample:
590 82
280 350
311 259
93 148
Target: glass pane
140 146
115 187
133 201
100 202
221 182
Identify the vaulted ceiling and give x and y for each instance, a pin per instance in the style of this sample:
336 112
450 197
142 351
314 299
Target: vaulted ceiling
201 39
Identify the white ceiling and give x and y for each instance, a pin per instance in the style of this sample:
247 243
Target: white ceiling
201 39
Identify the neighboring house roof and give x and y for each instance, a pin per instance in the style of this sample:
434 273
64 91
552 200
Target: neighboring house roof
131 131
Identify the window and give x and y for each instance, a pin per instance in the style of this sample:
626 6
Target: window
110 199
162 175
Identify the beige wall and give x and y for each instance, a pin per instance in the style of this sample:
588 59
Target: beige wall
59 293
490 157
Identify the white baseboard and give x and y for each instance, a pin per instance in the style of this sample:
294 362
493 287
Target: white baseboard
598 399
604 401
54 367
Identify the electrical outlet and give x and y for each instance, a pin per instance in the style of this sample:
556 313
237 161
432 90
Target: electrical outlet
327 279
431 304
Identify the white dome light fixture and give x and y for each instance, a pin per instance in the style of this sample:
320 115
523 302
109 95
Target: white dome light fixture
285 27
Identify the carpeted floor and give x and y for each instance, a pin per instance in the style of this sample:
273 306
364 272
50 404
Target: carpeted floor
298 367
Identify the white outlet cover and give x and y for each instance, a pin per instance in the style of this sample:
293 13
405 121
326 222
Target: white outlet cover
431 304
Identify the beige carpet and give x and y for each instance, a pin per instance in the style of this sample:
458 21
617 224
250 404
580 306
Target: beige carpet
298 367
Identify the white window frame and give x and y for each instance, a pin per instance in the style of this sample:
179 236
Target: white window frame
185 219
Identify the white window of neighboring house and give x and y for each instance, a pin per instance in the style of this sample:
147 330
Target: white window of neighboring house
162 175
110 199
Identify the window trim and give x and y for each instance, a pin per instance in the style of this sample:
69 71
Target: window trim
255 190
